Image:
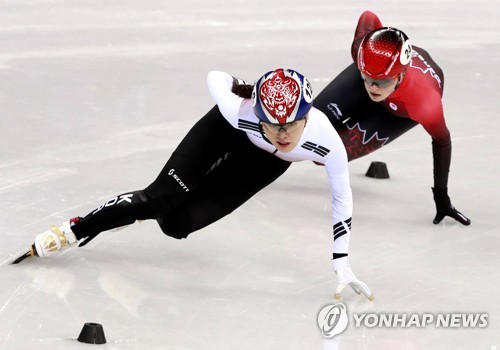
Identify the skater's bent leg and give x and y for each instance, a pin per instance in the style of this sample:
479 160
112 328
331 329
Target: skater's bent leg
367 132
192 159
180 175
225 189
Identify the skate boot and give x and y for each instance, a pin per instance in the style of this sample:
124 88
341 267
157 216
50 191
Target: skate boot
55 239
52 241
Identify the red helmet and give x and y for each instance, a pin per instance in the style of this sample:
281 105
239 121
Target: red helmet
384 53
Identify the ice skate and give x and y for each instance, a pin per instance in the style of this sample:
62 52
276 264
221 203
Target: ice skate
51 241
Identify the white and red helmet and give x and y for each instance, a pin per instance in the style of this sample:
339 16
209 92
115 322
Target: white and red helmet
282 96
384 53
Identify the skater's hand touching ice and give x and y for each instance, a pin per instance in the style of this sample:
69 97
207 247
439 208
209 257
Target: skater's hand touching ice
445 208
346 277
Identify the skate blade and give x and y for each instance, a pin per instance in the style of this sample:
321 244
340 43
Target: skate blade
29 253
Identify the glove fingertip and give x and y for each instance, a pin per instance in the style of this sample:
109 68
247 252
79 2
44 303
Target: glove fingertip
461 218
438 218
467 222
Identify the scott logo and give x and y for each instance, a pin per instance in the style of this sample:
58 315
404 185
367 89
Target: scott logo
333 320
171 172
117 200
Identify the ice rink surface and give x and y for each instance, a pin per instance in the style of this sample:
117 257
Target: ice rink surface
94 97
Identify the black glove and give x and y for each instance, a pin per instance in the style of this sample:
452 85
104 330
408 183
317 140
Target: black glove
444 207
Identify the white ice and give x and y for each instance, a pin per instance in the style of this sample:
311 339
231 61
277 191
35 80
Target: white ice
96 94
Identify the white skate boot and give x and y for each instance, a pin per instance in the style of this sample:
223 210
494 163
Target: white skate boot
52 241
55 239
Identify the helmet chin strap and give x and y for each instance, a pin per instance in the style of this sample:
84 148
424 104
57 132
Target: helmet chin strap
400 79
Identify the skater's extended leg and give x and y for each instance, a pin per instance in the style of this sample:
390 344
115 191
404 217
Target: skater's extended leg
188 165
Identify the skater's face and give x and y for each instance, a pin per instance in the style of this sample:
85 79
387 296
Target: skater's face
380 89
284 136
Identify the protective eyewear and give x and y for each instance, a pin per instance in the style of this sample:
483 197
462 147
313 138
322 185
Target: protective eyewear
381 83
287 128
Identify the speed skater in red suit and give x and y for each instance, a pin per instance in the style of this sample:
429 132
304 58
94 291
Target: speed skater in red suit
391 87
